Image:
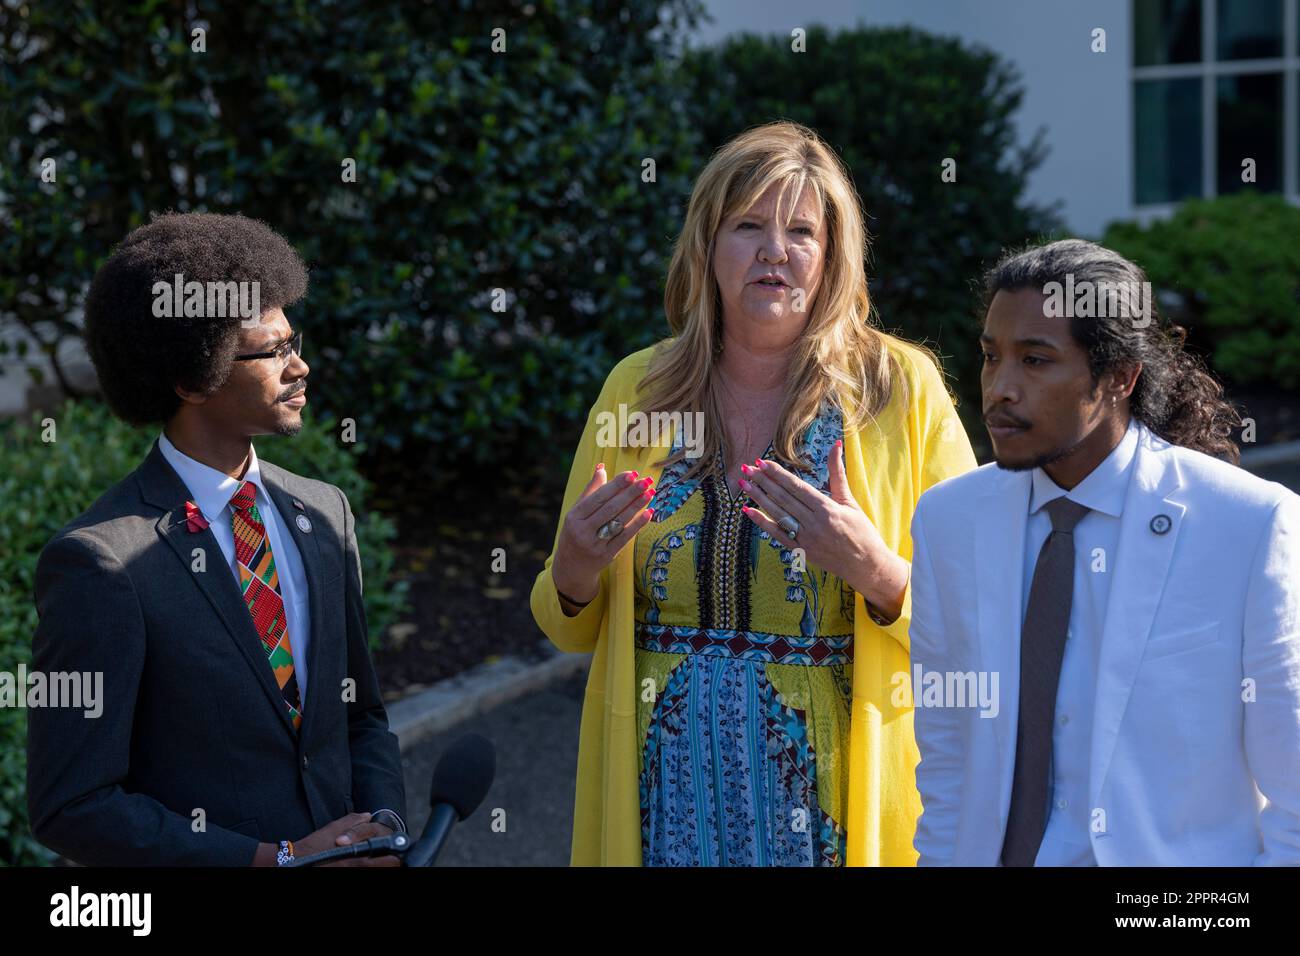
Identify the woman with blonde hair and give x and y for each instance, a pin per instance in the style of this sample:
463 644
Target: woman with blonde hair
743 705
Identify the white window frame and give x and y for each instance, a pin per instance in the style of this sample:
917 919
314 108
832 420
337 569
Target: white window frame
1208 70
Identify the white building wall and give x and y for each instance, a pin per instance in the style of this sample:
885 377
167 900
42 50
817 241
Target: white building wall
1083 99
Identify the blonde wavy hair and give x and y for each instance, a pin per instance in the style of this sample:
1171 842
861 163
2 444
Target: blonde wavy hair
840 355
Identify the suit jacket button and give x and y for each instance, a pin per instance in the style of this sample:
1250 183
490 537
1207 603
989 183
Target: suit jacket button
304 762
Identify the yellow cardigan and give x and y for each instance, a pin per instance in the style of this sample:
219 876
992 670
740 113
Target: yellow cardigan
909 447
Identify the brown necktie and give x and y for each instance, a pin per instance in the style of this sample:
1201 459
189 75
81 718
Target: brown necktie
1042 645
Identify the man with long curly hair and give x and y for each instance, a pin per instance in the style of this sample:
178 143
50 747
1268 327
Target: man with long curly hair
218 595
1137 593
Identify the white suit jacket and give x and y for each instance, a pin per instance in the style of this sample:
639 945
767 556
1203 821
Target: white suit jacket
1195 753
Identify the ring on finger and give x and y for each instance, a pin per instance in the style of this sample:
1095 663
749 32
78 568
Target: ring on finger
610 528
789 525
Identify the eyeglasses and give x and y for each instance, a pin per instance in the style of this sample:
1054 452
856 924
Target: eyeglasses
282 352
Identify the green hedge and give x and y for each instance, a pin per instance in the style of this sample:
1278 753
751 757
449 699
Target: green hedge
479 170
43 486
1231 267
475 170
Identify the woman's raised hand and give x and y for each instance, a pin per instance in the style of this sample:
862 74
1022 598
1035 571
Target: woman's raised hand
833 530
582 553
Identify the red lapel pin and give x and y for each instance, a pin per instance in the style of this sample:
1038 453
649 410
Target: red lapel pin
194 519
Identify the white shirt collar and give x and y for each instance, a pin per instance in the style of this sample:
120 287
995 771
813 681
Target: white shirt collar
1105 486
211 489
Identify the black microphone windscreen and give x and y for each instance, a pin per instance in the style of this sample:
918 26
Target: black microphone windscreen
464 774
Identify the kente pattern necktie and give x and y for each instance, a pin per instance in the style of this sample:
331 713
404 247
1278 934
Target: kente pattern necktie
261 586
1042 646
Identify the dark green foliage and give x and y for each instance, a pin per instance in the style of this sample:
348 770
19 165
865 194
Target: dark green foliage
475 171
1229 270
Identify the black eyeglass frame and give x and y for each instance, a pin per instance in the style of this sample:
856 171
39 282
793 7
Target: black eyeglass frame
294 345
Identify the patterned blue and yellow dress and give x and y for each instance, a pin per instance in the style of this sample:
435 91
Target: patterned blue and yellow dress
744 680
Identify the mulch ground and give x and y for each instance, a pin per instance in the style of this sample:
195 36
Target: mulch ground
460 611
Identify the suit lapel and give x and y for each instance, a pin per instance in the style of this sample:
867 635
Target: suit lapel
1002 515
1140 568
163 488
308 542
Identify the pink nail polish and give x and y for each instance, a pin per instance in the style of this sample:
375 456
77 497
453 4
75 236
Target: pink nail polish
650 512
744 483
634 474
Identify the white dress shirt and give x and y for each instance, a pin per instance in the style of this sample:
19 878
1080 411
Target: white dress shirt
211 491
1066 840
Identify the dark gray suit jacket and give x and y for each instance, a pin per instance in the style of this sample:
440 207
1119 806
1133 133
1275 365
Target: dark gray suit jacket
192 718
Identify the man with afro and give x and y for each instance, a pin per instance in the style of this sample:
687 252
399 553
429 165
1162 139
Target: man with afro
218 595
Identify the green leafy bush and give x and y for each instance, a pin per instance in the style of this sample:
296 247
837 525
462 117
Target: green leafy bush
44 485
477 169
1230 267
895 103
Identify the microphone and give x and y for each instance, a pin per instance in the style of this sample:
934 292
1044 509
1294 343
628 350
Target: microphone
461 780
